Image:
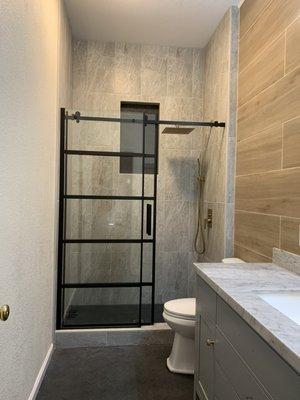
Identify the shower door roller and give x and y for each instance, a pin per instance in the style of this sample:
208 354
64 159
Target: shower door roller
4 312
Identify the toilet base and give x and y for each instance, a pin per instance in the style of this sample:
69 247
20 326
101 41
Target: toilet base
182 357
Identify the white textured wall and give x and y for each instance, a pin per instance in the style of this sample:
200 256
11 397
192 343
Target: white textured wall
29 32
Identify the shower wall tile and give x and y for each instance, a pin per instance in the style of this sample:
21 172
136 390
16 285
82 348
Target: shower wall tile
176 226
220 68
198 73
172 277
105 74
215 235
154 70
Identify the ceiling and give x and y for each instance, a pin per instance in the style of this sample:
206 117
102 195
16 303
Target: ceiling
183 23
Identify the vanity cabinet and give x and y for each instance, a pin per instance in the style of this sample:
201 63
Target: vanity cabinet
232 361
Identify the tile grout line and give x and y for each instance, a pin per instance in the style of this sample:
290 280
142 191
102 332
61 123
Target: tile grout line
268 128
264 214
271 171
268 45
252 250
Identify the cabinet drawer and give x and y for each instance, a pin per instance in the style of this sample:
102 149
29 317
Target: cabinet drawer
206 302
223 388
237 373
283 382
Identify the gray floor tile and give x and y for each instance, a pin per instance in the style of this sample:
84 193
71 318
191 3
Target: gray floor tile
114 373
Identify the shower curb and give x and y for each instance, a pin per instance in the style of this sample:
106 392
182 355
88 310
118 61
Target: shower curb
147 335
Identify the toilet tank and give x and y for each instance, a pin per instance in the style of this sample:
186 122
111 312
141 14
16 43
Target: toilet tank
232 261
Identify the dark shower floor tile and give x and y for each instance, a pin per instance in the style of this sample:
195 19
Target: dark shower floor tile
114 373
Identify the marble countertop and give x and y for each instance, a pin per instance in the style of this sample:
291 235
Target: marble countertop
239 285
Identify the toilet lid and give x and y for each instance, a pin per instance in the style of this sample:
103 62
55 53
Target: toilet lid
181 307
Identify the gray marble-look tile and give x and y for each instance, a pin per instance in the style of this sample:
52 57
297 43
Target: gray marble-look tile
177 168
198 72
172 277
127 79
176 227
100 66
287 260
214 236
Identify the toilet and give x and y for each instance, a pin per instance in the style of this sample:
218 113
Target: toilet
180 315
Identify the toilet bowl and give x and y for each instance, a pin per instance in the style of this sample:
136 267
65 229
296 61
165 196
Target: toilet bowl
180 315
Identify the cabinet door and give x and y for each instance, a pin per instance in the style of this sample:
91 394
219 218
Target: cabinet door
206 360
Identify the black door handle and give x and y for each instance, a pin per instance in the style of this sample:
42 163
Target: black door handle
149 219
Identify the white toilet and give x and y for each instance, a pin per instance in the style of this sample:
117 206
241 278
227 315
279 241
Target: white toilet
180 315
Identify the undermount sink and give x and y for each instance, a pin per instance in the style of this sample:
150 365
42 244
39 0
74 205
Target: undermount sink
287 302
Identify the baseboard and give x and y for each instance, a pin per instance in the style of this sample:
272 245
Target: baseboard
41 374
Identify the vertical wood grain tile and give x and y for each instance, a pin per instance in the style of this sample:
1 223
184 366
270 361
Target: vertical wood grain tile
290 235
267 68
293 46
259 233
249 255
273 21
291 143
260 153
278 103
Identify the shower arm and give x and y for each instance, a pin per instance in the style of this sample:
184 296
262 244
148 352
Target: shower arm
78 117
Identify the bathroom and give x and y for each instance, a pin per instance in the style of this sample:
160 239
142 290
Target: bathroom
150 187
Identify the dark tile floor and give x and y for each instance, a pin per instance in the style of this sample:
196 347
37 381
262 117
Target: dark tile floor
114 373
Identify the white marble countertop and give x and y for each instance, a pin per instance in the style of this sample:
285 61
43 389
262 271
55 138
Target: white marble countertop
239 286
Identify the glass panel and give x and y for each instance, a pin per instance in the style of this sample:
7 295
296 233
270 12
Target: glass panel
146 305
103 219
95 135
147 262
101 306
107 262
95 175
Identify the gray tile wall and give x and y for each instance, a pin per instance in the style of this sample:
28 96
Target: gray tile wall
189 84
220 59
104 74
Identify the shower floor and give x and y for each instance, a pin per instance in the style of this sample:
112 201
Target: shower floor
111 315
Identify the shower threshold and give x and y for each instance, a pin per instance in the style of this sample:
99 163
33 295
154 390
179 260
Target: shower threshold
110 315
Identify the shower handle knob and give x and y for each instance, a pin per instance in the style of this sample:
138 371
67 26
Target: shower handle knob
4 312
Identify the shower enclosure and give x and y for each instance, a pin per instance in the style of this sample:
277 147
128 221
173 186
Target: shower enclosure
108 186
107 217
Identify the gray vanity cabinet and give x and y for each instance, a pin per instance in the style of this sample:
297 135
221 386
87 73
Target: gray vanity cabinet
232 361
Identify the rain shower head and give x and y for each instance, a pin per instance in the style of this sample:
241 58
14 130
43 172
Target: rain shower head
177 130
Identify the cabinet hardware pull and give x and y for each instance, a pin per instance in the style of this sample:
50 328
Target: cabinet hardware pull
210 342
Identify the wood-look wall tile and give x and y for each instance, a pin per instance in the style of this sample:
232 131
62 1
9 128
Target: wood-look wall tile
257 232
249 12
260 153
249 255
290 234
278 103
266 69
291 143
275 18
292 46
275 192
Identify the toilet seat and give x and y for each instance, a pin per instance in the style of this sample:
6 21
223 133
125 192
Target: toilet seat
181 308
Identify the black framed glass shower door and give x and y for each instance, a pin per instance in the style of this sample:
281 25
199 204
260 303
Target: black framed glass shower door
107 221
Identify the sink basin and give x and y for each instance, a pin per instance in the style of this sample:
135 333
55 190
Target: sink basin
287 302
